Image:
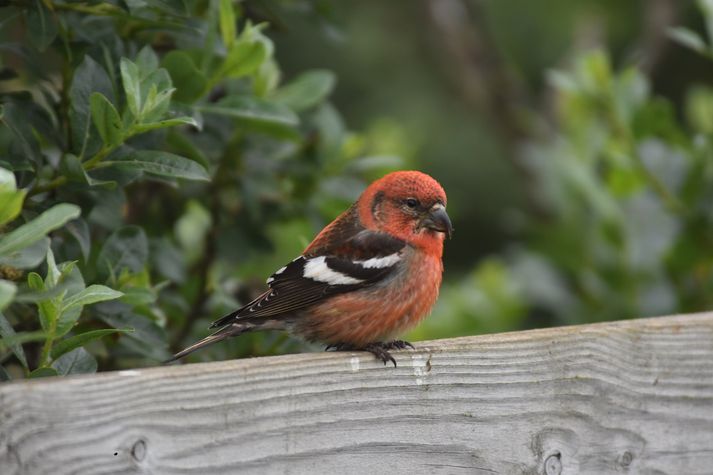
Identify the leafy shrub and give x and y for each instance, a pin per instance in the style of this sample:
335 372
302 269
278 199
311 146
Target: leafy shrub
627 189
151 158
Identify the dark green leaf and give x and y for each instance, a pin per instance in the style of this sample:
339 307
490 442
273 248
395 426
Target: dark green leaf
79 229
307 90
72 168
43 373
148 338
7 333
106 120
88 78
4 375
164 164
127 249
77 361
76 341
253 110
18 122
41 25
30 233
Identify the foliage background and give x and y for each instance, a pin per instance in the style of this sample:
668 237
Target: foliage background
160 158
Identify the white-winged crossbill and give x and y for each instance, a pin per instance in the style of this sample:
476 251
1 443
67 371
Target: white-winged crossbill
371 274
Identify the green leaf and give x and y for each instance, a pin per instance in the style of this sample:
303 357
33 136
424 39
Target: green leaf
253 110
247 54
92 294
77 361
16 118
148 339
30 233
106 119
307 90
72 168
164 164
11 205
127 248
76 341
190 82
7 180
89 77
688 38
7 293
227 22
141 128
35 282
7 333
11 199
43 373
22 338
41 26
132 85
79 229
29 257
147 61
156 92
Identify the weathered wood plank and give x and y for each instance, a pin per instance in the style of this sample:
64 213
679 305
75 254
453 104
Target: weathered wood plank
634 396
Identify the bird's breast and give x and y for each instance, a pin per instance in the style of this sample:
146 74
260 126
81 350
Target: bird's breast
379 312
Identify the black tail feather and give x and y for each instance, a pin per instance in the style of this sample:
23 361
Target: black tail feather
226 332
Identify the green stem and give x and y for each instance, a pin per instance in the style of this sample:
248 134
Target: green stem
47 347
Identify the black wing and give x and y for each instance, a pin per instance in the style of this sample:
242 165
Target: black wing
367 258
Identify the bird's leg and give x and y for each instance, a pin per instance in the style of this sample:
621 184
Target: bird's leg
398 345
380 350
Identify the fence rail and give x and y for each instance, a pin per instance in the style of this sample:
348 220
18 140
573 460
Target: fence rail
633 396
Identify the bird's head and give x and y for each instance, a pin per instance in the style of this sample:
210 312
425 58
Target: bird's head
409 205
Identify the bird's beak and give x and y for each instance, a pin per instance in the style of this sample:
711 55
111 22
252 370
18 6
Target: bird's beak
438 220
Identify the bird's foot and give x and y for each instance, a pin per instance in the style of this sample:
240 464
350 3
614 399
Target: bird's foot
398 345
381 351
378 349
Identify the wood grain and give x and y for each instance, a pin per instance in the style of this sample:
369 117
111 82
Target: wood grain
633 396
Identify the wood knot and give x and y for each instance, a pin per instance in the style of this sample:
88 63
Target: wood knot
553 464
138 451
626 458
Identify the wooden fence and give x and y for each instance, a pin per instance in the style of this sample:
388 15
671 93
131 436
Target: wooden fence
632 396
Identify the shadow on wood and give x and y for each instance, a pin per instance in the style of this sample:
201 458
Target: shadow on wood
633 396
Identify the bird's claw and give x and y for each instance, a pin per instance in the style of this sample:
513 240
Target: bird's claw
398 345
381 352
378 349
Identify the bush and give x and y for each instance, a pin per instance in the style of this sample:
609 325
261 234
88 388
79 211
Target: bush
152 164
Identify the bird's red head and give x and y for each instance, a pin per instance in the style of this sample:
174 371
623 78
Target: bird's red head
409 205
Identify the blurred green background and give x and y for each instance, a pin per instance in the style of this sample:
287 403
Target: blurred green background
573 139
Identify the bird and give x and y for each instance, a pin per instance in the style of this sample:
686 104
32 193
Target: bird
368 276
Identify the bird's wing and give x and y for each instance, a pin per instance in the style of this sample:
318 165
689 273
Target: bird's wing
365 259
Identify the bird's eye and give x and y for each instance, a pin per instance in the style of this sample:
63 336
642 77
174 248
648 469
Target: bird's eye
411 202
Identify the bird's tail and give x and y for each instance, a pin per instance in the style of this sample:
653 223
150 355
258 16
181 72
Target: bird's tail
233 329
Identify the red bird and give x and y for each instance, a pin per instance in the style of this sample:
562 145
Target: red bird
372 273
